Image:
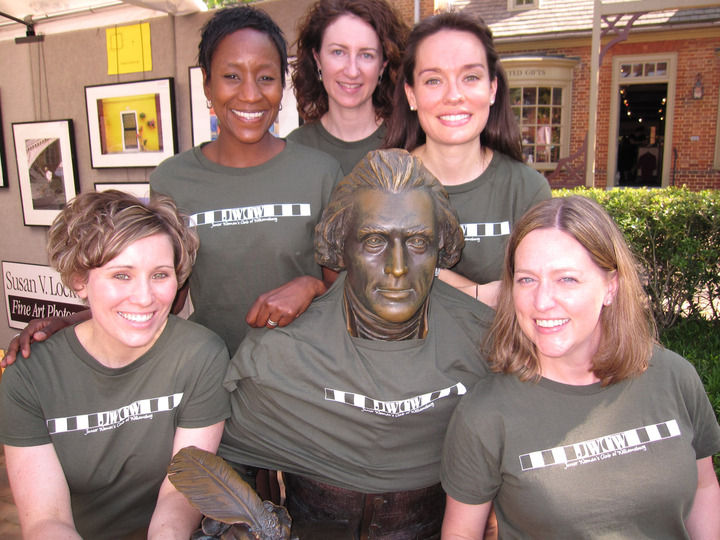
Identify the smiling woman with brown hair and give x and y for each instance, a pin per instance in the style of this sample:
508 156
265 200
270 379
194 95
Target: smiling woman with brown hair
589 428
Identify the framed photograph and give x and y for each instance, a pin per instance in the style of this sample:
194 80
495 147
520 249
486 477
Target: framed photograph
3 165
140 189
204 120
46 168
131 124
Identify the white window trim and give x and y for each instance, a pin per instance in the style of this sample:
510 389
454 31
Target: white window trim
546 71
511 6
669 78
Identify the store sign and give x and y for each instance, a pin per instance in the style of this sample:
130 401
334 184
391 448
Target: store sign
33 291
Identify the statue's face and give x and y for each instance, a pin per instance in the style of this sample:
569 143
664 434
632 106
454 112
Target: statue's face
391 250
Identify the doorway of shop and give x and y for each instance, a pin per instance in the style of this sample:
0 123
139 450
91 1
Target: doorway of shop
641 134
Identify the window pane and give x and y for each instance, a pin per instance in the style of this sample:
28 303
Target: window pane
637 70
529 96
557 96
544 96
543 115
625 70
515 96
556 115
529 115
516 114
661 69
649 70
555 138
528 135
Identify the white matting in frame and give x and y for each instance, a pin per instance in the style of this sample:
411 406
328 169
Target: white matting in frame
46 168
131 124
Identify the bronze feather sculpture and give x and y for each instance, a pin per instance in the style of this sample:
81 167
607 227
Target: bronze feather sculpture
234 510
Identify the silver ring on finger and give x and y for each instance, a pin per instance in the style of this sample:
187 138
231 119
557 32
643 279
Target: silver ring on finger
272 324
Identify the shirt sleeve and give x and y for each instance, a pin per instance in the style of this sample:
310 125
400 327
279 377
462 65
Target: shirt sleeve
706 431
470 471
209 402
22 422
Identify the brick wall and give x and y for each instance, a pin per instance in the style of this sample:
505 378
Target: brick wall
695 121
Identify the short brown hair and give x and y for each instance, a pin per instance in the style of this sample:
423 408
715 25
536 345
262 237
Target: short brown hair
393 171
392 31
628 329
94 228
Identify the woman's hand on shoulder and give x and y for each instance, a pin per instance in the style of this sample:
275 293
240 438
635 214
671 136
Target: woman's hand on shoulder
39 330
283 305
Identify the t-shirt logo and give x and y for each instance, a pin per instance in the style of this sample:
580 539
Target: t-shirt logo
102 421
601 448
249 214
475 232
393 408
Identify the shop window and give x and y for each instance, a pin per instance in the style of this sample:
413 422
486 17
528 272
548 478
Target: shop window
538 110
540 98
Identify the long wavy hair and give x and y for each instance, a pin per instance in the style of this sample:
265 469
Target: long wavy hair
392 31
501 132
628 331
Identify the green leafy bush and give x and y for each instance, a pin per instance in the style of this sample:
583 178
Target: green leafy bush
675 233
698 340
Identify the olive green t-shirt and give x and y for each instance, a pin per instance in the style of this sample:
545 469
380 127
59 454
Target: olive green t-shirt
355 413
256 227
347 153
564 461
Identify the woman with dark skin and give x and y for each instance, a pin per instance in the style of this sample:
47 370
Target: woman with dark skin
255 198
349 56
452 109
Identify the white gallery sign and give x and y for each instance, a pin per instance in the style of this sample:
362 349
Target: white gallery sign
33 291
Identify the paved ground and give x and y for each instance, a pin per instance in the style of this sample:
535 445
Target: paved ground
9 524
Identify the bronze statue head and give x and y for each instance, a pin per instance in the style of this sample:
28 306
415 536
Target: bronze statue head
389 224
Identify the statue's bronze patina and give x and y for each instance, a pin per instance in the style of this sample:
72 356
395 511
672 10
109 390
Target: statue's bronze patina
389 225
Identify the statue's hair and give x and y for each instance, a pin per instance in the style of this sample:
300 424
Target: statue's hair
393 171
94 228
628 331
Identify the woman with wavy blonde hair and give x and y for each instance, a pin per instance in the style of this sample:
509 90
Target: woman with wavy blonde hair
91 420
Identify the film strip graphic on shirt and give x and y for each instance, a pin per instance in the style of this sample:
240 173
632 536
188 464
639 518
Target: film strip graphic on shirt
622 441
250 213
398 407
475 231
108 419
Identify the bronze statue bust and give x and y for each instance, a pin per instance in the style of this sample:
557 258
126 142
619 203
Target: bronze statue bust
353 399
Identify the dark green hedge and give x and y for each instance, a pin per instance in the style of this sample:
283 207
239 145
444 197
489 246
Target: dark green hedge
675 233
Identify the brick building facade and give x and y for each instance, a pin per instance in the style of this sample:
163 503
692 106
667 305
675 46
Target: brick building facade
658 89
